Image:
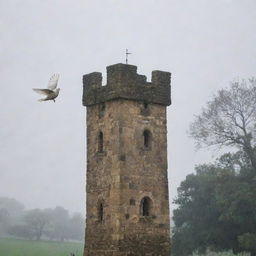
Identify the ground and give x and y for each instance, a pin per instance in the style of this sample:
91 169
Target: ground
17 247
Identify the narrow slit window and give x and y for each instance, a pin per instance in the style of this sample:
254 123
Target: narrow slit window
100 142
146 206
147 138
100 212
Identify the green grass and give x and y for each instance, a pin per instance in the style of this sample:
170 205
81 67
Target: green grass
16 247
229 253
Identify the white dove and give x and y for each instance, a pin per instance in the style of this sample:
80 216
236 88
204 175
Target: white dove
52 92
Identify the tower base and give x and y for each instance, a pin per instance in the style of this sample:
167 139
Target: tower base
134 246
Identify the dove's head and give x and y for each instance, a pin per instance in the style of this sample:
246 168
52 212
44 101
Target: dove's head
57 90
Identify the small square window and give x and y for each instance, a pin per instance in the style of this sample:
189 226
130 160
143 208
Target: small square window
132 201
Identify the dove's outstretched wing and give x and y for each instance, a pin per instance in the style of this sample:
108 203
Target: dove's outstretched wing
53 82
43 91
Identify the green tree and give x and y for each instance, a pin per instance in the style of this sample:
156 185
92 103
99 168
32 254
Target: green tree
37 220
216 206
196 218
247 241
11 212
21 231
76 226
58 227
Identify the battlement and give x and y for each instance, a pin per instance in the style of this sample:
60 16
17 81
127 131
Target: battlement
123 82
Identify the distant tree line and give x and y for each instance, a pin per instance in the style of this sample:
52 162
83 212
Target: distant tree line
52 224
216 205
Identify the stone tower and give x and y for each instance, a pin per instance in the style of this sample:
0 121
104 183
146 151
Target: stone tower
127 186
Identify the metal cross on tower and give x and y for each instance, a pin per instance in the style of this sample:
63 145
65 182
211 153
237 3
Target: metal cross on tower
127 53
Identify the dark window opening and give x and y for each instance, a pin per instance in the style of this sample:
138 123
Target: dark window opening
145 109
100 212
146 206
102 108
132 202
147 139
100 142
145 105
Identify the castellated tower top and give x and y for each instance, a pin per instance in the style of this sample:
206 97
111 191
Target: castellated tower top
123 82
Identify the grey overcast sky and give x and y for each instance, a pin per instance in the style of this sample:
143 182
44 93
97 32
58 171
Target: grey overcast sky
203 43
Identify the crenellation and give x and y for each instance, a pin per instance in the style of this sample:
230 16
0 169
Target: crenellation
141 79
120 67
121 75
123 82
92 80
161 78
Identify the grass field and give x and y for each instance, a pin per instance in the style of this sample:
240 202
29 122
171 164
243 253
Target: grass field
16 247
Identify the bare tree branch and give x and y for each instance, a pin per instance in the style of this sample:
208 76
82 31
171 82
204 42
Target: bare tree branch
229 119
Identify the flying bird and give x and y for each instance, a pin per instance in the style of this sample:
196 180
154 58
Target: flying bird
52 92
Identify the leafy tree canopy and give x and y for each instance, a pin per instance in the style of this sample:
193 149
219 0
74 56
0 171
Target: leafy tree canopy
216 208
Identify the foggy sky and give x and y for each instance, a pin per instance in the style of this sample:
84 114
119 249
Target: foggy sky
204 44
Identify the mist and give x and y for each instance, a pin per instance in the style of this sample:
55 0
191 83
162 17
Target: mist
204 44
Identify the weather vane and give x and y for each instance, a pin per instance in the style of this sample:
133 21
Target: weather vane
127 53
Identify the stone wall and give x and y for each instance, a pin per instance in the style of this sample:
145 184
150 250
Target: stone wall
124 171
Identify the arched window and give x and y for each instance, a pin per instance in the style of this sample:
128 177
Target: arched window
100 142
100 212
146 206
147 137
